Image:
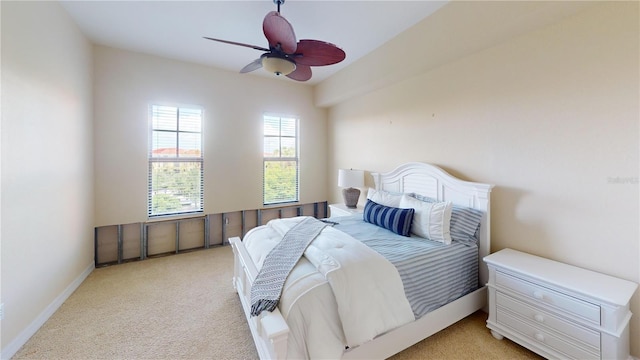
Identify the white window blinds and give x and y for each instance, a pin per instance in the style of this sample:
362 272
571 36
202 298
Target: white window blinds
175 161
280 179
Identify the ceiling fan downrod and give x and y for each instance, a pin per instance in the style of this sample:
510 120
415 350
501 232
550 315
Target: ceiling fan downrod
278 2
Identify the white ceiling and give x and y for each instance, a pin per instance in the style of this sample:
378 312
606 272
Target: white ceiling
174 29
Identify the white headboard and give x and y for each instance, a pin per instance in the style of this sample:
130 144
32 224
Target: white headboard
432 181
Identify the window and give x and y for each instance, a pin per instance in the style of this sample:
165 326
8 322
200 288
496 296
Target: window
280 181
175 161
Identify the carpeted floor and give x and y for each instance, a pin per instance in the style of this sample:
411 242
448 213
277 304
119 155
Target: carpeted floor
184 307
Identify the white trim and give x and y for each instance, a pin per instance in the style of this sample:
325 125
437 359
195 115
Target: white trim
15 345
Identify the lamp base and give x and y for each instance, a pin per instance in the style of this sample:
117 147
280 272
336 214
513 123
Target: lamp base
351 196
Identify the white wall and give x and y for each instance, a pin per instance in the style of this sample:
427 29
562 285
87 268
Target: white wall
127 83
47 165
74 147
549 117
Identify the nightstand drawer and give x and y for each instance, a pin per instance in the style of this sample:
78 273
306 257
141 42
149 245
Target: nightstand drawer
543 295
545 338
545 319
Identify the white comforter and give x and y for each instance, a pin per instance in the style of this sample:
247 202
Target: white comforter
341 293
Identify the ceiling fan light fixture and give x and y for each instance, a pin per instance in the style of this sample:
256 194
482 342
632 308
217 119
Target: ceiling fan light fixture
277 65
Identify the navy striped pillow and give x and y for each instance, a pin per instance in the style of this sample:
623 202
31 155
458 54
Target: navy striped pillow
394 219
465 221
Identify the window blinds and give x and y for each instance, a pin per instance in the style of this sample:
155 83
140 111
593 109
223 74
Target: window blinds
175 161
281 172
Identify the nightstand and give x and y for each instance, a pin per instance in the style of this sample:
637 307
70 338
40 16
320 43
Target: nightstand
557 310
343 210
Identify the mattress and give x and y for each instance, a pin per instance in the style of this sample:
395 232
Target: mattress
433 274
429 275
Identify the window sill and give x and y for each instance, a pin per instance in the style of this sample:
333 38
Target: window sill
161 218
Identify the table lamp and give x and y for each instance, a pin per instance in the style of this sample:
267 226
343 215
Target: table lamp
349 179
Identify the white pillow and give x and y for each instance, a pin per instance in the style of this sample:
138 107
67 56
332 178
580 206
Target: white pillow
430 220
384 197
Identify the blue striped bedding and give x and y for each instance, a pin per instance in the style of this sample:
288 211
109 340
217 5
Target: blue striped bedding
433 274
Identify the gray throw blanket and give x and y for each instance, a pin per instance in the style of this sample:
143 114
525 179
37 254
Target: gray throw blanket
267 287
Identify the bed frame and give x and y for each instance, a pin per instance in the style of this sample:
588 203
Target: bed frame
270 331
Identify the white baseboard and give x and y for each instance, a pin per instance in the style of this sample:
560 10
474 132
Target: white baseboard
15 345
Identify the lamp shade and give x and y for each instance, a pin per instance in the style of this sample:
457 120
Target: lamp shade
277 65
349 178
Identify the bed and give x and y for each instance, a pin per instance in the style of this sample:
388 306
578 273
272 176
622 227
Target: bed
276 333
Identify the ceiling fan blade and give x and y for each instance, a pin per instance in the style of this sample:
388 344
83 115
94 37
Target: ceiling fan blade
278 31
237 43
318 53
254 65
301 73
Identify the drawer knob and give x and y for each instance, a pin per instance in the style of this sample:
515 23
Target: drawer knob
539 337
538 295
539 318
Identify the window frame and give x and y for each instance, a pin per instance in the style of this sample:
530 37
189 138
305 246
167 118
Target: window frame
281 158
177 159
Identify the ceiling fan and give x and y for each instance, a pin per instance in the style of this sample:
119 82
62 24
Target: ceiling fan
285 55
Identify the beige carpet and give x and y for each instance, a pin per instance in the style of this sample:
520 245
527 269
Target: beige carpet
184 307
